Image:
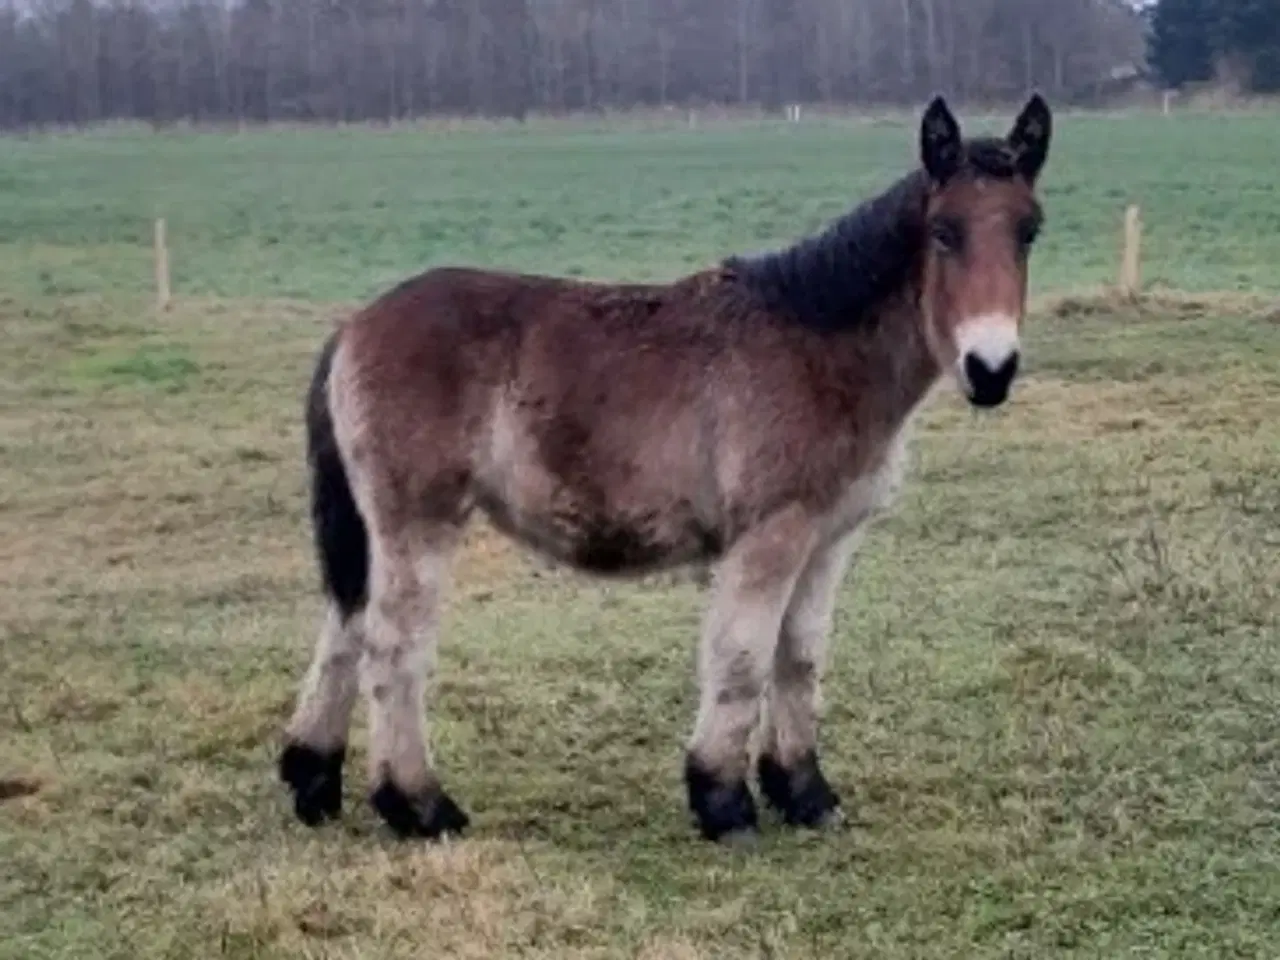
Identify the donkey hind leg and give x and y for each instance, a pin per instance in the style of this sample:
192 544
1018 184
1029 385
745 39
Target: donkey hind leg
315 744
316 738
753 586
791 778
408 577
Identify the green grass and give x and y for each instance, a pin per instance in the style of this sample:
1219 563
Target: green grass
332 215
1051 707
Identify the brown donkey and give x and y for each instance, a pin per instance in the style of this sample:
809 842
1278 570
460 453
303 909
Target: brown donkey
752 416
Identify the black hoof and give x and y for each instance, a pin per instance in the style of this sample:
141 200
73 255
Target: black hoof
801 794
316 781
723 811
429 815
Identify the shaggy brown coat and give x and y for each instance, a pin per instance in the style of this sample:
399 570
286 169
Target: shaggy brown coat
750 417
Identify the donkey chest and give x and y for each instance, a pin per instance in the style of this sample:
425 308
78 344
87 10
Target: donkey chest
873 490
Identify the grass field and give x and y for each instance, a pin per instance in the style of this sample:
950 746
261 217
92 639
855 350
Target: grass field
329 215
1055 723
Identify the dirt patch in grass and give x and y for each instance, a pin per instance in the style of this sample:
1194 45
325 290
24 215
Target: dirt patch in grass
13 788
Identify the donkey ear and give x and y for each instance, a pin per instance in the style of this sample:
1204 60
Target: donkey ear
1030 136
940 143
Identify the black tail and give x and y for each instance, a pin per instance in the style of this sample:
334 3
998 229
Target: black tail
342 541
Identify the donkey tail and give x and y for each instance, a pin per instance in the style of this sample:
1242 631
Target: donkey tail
341 538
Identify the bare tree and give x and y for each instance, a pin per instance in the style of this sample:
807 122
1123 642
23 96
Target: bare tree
80 61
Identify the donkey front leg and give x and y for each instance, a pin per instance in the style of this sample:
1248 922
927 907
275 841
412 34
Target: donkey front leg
753 586
791 778
407 581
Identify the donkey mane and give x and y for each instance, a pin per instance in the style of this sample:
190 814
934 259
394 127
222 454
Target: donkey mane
834 280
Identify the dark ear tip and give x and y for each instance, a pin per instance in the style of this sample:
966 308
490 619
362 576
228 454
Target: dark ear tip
1036 102
937 103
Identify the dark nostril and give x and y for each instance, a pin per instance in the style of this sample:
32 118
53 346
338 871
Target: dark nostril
988 386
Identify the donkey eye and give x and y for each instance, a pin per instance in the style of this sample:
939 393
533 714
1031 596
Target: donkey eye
947 234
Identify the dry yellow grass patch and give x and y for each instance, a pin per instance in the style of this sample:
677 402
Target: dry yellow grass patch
468 901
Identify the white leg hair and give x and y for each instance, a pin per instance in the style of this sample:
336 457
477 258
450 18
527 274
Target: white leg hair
322 716
752 588
408 576
790 727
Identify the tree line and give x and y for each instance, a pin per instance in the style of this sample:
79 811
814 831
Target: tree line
84 61
1194 41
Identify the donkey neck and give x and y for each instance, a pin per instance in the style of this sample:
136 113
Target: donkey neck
889 369
851 294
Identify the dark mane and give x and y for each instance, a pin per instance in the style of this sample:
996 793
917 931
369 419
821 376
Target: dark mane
834 279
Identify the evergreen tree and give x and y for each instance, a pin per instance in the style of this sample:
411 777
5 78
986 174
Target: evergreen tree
1250 31
1181 42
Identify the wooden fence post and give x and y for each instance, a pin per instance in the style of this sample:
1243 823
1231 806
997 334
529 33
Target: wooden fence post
162 266
1131 253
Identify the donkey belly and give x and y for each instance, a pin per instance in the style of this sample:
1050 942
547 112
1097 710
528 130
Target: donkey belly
574 530
599 487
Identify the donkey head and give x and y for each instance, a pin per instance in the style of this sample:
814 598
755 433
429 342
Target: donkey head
982 218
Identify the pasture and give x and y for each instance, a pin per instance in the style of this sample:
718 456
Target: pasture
1051 707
